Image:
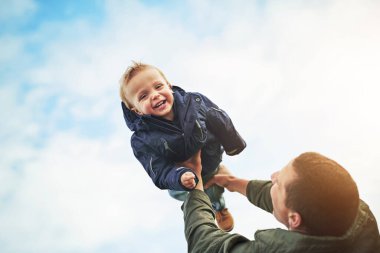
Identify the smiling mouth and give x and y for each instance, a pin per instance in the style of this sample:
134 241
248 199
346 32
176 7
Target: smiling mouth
159 104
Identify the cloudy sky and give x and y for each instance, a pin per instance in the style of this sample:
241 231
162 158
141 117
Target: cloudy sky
294 76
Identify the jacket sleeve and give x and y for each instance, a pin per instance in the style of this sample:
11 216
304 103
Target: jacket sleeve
201 232
258 193
164 174
220 124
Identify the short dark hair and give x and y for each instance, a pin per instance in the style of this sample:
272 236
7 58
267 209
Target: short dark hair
324 194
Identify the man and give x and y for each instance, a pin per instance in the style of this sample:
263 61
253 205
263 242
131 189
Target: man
313 196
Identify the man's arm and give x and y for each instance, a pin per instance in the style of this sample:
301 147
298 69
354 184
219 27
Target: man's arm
201 232
230 182
257 191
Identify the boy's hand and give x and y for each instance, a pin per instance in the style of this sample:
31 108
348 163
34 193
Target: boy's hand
188 180
194 163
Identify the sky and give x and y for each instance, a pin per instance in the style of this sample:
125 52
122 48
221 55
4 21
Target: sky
293 75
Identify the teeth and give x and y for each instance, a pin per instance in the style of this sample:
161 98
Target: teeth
160 103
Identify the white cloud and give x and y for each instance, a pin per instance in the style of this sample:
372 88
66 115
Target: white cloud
293 79
10 46
78 194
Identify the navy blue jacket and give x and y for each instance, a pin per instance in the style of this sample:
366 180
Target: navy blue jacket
198 124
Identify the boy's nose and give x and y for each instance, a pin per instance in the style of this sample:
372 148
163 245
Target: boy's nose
155 95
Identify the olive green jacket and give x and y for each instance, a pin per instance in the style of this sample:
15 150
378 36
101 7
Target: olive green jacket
203 236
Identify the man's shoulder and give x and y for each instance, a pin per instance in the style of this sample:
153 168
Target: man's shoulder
283 240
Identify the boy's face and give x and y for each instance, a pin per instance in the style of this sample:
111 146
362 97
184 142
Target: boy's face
149 93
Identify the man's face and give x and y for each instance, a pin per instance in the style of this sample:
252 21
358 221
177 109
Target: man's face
280 180
149 93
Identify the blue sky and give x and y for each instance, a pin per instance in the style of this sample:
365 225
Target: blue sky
293 76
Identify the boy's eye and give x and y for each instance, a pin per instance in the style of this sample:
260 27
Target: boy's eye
159 85
141 97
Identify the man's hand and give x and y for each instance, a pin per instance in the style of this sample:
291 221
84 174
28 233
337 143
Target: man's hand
223 180
229 182
188 180
194 163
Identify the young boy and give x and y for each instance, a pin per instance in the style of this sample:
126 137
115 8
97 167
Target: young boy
170 126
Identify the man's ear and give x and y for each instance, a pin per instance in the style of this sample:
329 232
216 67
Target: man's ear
133 109
294 221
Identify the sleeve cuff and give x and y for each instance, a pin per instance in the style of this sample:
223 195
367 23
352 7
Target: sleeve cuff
184 170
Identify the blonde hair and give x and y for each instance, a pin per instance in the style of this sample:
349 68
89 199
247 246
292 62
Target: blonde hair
132 71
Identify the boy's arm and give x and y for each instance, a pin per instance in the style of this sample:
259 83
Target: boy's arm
220 124
164 174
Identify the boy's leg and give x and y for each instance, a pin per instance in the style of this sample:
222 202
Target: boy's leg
223 216
215 193
178 195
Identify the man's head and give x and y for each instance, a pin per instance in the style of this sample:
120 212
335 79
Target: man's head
315 195
144 89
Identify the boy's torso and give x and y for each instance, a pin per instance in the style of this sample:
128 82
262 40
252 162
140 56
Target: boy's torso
178 140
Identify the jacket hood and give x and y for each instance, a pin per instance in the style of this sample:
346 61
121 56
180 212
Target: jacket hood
132 119
135 121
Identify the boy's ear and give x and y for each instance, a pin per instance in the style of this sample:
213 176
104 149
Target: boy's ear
133 109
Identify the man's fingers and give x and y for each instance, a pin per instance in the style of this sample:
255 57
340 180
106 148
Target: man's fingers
209 183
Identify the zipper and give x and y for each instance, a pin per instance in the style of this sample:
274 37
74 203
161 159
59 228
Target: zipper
151 167
166 145
200 128
187 109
